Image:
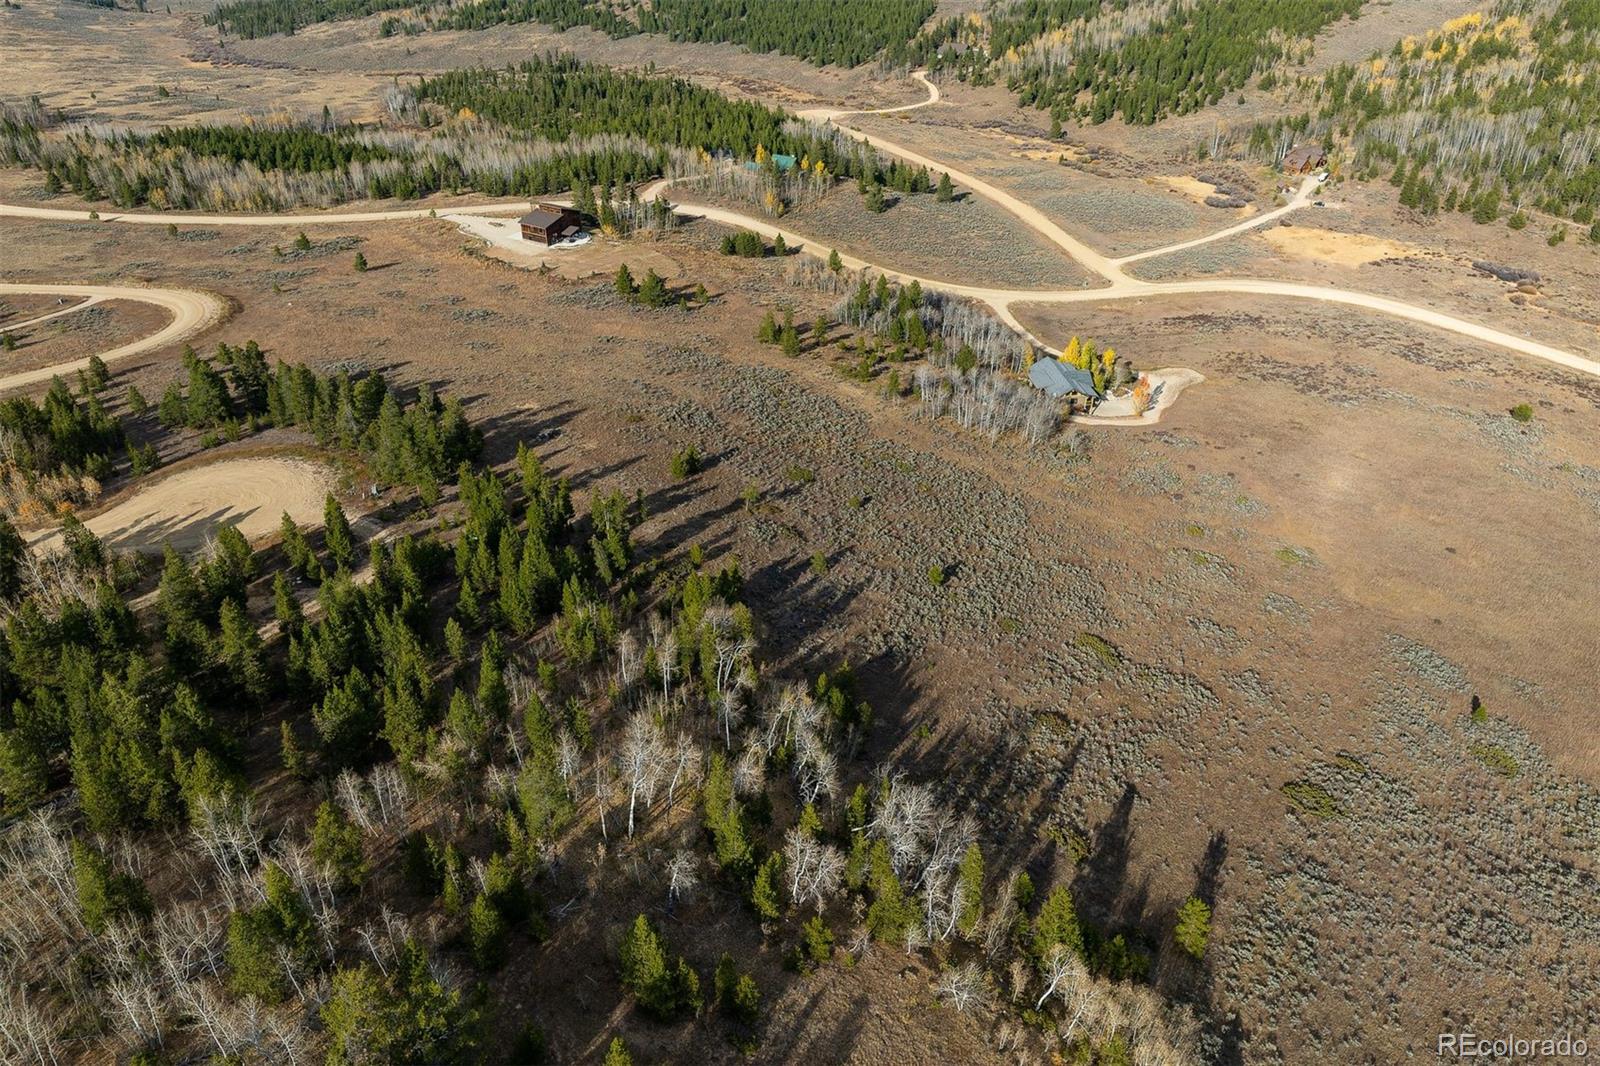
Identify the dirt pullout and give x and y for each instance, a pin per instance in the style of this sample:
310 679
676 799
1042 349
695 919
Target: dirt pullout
189 506
1344 249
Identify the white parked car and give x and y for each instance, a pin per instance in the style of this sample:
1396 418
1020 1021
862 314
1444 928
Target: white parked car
573 242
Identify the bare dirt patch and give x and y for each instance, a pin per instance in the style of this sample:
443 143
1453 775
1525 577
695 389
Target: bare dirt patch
186 507
1193 188
1345 249
601 256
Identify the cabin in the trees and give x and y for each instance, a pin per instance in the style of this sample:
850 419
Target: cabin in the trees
1304 158
548 223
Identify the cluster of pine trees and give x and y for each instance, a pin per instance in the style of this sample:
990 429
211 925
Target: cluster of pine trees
419 442
558 97
470 712
1090 61
263 18
57 451
1485 110
845 35
270 168
841 34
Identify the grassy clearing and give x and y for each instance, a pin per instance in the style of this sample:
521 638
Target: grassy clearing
1102 648
1495 758
1312 799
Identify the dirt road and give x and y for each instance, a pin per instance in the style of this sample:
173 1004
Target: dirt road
306 218
192 312
1118 285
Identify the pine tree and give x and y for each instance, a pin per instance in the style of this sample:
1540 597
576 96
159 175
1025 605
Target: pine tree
617 1053
285 607
486 934
239 648
336 534
295 760
104 895
653 291
24 768
764 898
891 913
723 818
270 938
971 875
624 282
767 332
336 845
946 191
1194 927
361 263
835 264
1057 923
643 961
13 551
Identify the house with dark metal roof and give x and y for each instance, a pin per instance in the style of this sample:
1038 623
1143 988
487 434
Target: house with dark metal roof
1304 158
548 223
1058 379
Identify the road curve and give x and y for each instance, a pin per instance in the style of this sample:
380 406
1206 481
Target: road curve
1294 290
1117 285
192 312
1032 216
1301 198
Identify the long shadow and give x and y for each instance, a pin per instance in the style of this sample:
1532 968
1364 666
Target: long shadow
1101 884
150 536
587 476
802 603
503 432
690 528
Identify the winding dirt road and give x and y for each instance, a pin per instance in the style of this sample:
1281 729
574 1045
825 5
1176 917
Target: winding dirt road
192 311
1117 285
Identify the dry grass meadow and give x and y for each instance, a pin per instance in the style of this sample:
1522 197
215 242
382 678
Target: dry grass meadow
1238 650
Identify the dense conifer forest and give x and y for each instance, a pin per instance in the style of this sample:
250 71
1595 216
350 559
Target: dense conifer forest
329 797
1133 59
822 33
1492 114
547 125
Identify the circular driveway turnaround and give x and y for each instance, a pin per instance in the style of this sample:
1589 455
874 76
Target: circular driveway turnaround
1117 285
185 507
192 312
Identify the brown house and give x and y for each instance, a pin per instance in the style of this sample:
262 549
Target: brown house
548 223
1304 158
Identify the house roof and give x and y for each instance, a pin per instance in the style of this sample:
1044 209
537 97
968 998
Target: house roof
1304 155
1058 379
541 218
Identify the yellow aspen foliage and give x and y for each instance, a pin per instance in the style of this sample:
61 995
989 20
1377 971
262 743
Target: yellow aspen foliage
1109 358
761 153
1074 351
1141 395
466 114
1027 357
